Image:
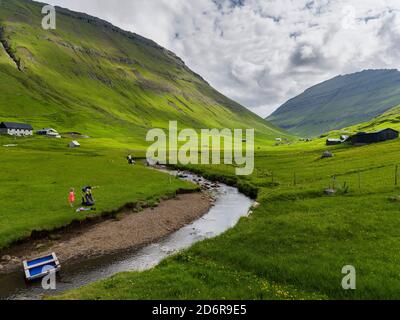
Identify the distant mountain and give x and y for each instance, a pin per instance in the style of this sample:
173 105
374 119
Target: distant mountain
89 76
340 102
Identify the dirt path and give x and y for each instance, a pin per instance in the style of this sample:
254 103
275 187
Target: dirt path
131 230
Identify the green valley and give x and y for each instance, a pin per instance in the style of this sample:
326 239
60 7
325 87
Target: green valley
313 215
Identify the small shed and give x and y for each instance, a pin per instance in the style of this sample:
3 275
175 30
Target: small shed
374 137
74 144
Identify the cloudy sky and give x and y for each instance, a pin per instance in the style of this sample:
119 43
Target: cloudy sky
263 52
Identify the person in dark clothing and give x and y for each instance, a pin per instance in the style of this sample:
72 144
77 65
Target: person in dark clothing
130 159
87 197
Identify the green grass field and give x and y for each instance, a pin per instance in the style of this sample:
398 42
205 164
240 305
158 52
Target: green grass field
38 173
296 243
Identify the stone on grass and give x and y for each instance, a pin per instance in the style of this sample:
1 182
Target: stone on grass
327 154
330 192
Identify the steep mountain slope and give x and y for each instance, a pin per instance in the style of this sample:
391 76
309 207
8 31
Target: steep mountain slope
340 102
90 76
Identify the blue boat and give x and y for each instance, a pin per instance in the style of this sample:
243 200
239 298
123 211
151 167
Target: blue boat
41 267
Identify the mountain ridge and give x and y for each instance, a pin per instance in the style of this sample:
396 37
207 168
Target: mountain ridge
340 102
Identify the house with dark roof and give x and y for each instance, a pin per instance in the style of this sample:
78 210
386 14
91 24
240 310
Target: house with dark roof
374 137
16 129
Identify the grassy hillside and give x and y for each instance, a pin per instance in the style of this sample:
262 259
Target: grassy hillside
297 242
89 76
340 102
390 119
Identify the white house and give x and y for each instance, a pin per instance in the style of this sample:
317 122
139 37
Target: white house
49 132
16 129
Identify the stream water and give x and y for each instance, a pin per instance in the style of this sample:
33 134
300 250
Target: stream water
229 207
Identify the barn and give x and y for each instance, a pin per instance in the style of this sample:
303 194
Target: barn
16 129
373 137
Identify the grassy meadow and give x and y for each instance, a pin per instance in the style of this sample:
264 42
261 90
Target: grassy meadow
296 243
37 174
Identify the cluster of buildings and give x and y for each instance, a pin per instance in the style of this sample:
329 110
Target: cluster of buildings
25 130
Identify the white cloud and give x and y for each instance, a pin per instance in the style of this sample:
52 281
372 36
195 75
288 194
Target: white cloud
263 52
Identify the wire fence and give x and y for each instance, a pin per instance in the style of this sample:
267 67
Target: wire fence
371 179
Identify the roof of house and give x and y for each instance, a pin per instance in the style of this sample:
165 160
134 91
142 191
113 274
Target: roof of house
47 129
15 125
388 129
376 132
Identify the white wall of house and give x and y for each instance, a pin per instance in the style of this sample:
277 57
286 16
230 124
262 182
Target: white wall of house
18 132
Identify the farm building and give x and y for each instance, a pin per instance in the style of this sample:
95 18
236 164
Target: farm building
373 137
16 129
49 132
